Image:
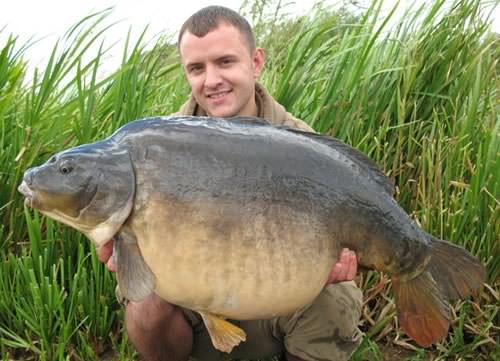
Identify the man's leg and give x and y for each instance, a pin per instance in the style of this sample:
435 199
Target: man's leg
158 330
325 330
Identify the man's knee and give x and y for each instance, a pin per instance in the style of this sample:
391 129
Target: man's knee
343 304
327 329
158 329
149 314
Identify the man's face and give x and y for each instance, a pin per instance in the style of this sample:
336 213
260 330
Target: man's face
222 71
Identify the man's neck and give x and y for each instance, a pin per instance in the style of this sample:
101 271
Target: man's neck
252 109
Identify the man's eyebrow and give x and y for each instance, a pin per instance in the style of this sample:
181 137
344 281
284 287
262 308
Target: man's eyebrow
193 63
219 58
226 56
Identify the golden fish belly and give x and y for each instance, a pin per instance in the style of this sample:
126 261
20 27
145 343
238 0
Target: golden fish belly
235 262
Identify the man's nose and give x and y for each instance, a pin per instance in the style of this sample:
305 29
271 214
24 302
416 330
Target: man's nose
213 77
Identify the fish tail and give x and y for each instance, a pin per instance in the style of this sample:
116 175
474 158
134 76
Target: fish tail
423 313
422 302
456 271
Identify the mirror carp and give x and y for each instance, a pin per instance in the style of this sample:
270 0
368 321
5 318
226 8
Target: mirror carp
239 219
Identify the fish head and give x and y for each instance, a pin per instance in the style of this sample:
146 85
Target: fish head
90 188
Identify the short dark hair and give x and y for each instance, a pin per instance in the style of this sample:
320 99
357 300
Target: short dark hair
210 17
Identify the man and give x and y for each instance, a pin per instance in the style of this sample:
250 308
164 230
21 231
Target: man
222 64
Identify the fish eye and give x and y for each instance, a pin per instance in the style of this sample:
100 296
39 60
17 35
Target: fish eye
65 168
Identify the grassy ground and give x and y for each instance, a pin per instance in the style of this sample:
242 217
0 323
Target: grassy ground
422 100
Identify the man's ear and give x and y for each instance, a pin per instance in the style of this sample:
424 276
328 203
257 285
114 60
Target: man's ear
258 61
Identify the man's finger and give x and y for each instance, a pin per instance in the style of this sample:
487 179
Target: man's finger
353 266
105 251
345 256
343 267
110 264
334 273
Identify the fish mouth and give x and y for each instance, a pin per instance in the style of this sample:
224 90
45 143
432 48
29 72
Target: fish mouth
29 195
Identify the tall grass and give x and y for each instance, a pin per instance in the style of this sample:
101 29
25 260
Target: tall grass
421 99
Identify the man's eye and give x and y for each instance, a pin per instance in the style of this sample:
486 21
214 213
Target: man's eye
195 69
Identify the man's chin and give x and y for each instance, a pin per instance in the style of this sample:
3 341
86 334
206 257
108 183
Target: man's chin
222 113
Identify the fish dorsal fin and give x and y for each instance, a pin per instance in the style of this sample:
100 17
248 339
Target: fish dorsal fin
360 159
135 278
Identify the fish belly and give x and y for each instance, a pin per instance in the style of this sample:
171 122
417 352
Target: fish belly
234 261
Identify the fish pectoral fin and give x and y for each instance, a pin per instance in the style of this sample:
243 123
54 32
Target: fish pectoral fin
225 336
135 278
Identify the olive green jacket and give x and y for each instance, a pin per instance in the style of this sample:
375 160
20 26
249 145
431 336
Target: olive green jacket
267 108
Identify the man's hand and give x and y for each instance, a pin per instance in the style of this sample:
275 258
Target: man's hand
345 269
104 254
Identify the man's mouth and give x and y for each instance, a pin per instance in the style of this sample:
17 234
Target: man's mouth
218 95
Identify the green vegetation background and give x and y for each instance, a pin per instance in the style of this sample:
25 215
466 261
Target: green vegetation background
422 100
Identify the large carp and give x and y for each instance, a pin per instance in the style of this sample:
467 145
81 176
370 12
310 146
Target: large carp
240 219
